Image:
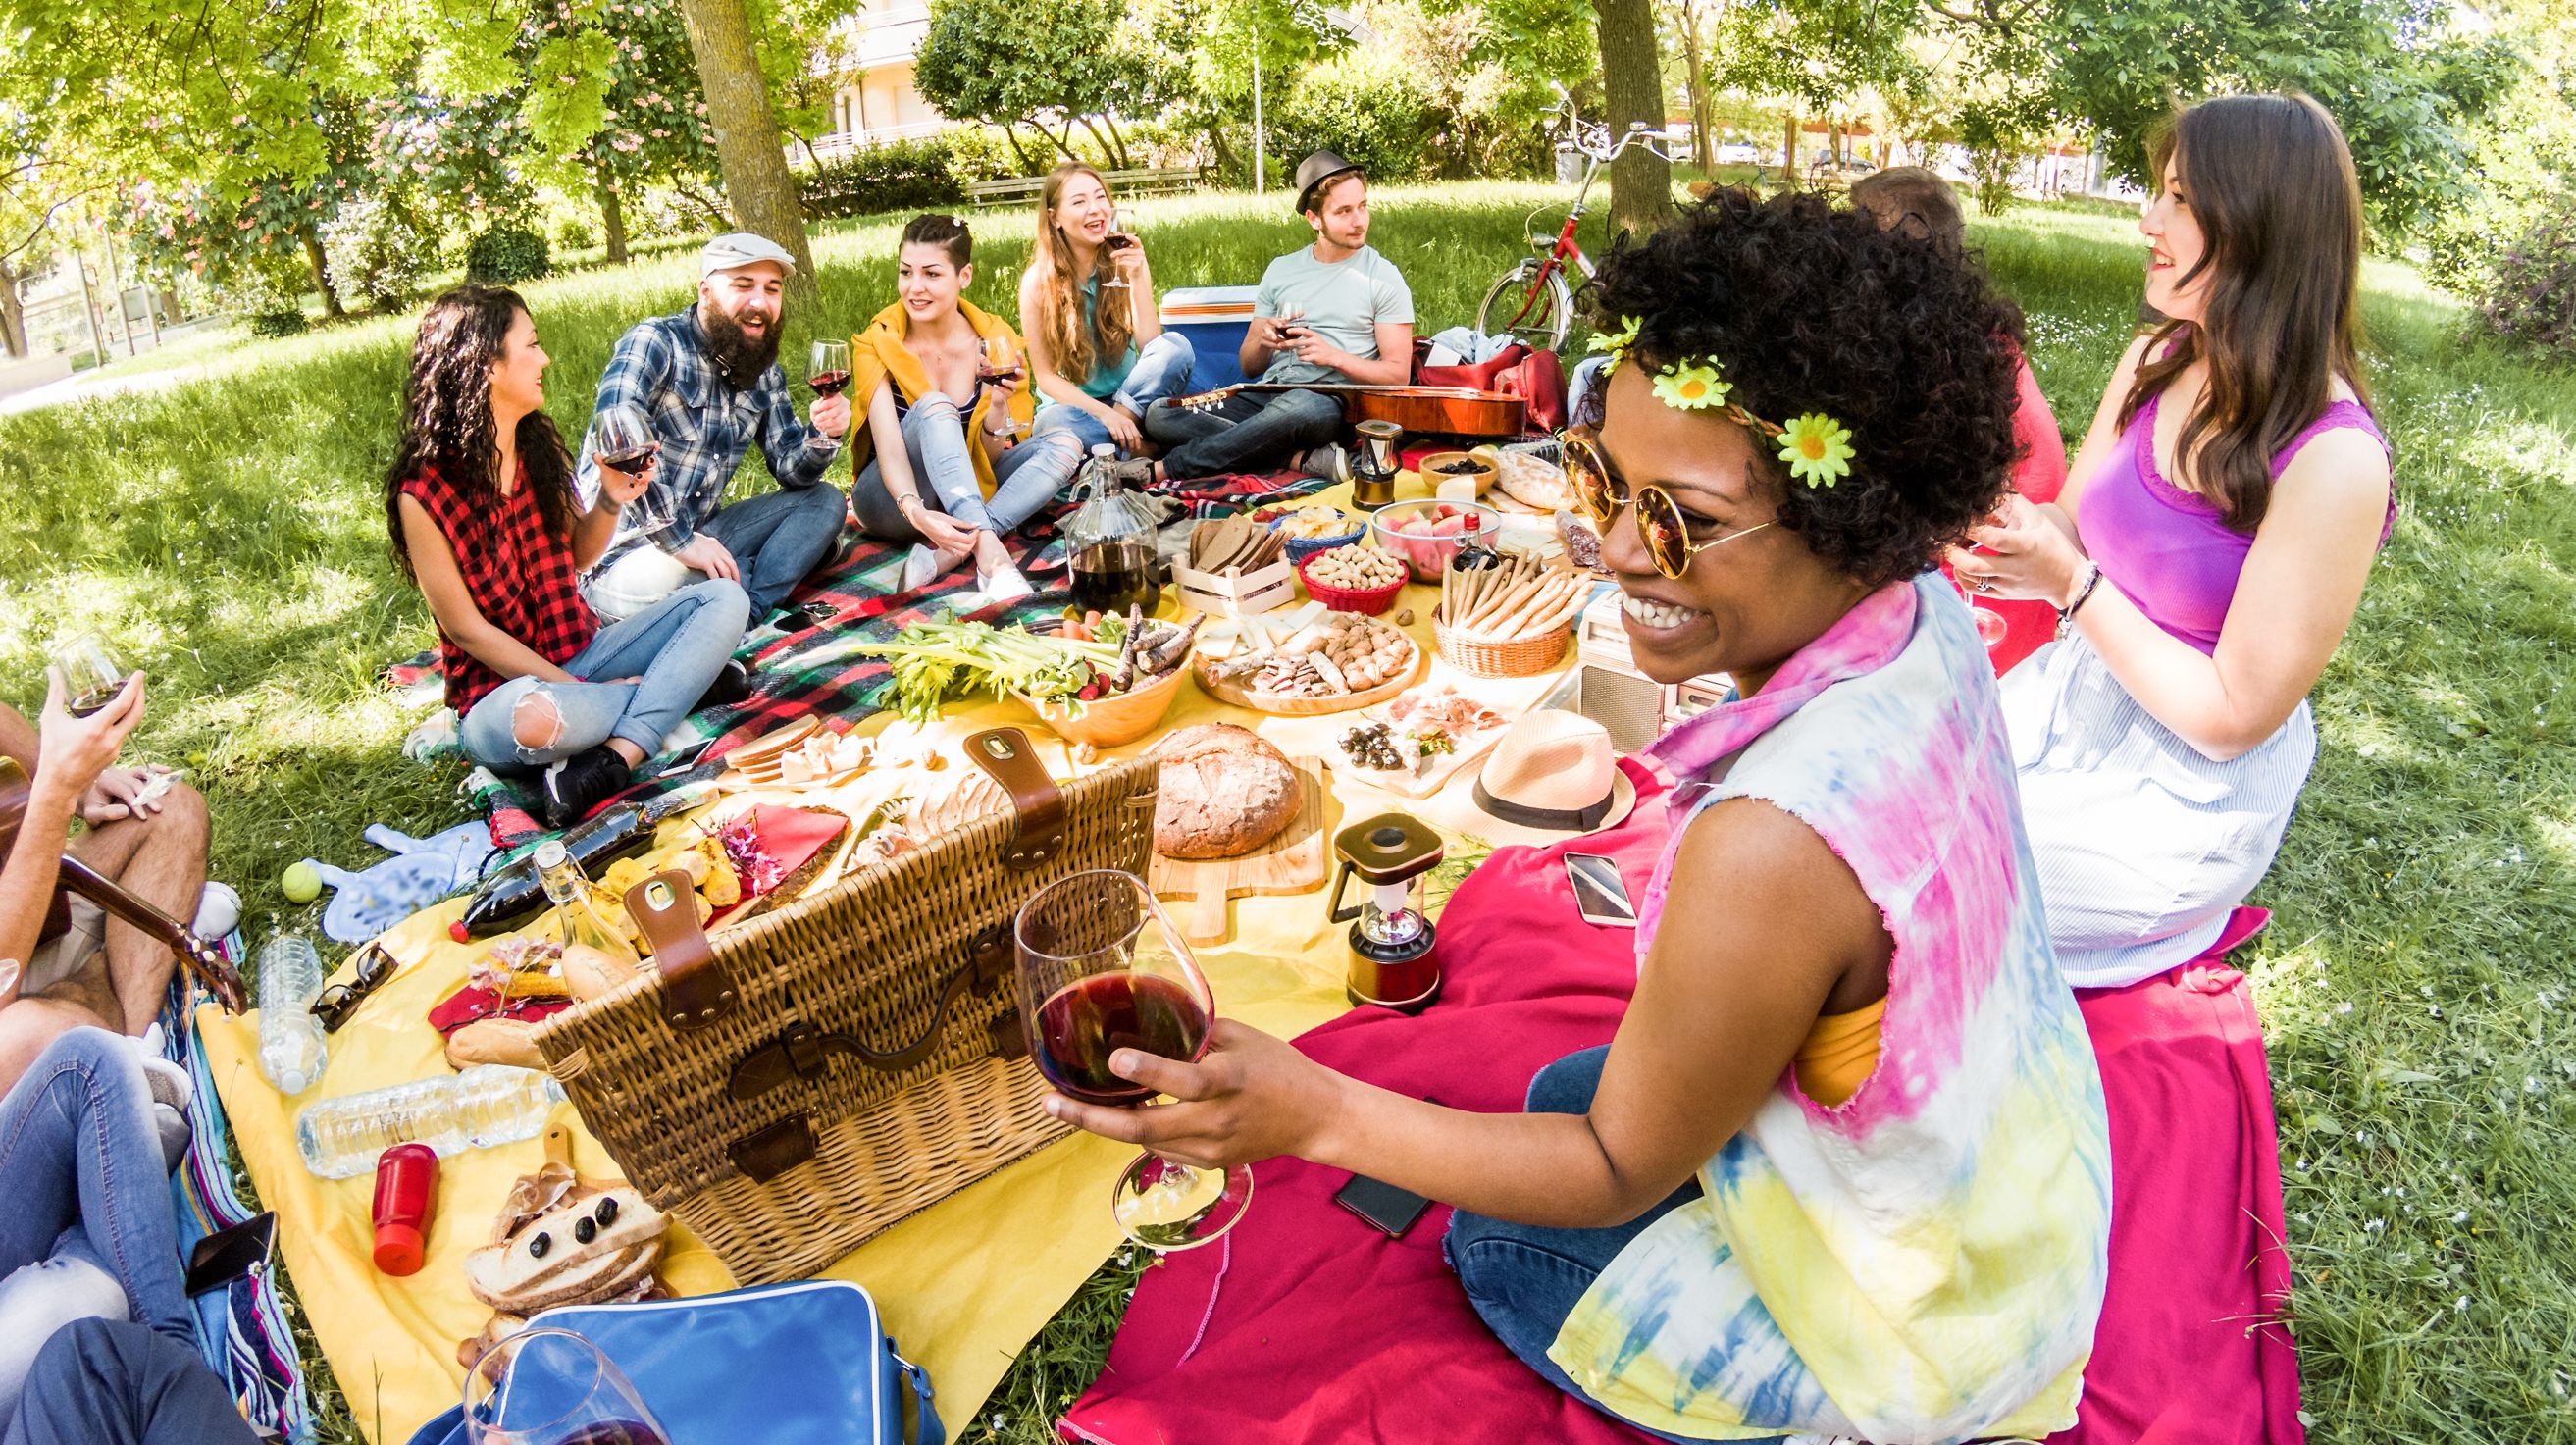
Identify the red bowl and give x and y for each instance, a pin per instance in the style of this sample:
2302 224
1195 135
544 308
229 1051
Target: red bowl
1372 601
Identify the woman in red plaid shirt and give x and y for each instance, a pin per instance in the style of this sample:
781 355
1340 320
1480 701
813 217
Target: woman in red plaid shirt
485 518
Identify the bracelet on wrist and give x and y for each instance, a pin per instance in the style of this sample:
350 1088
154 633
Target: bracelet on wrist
2083 594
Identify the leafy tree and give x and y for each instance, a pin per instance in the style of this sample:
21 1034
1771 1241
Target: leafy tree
1041 65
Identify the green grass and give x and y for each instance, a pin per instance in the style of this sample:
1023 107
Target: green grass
225 533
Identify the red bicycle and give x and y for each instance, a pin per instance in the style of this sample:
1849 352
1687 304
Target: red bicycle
1531 302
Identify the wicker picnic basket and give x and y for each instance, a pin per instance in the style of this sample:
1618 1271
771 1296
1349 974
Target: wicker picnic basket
801 1081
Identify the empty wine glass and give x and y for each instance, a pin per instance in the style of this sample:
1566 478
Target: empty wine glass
92 675
548 1386
1120 238
829 371
1102 968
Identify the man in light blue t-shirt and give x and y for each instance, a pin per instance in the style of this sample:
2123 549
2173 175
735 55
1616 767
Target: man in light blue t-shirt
1335 312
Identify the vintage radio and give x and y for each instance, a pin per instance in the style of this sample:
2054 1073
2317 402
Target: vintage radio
1607 687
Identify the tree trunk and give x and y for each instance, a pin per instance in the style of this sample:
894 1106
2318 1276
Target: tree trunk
612 218
1702 107
1789 151
748 152
1225 157
321 273
1118 143
1028 165
13 314
1641 182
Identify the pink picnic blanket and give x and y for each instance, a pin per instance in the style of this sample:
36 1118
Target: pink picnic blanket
1307 1325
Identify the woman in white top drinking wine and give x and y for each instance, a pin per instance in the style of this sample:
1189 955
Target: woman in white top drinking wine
1097 350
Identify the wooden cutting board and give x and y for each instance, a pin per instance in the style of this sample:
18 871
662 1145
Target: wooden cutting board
1293 862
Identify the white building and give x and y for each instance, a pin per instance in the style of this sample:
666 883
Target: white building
871 54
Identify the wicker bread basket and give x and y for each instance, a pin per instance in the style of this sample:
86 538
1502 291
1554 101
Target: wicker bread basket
861 1062
1516 657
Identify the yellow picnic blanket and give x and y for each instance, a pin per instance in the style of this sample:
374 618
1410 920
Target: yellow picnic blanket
963 1285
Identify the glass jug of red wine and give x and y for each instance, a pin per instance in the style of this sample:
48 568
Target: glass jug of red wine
829 371
92 675
1103 968
1109 545
548 1386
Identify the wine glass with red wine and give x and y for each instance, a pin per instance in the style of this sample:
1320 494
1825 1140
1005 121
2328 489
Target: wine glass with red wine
830 369
92 675
1120 238
547 1386
1102 968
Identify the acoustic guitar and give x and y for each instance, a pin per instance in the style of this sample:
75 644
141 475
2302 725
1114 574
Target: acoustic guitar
1447 410
78 878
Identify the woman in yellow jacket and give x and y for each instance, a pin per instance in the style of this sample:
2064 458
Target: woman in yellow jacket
947 399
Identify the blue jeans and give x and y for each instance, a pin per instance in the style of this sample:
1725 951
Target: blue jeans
1162 371
1251 431
1524 1280
777 538
103 1383
673 649
85 1229
943 475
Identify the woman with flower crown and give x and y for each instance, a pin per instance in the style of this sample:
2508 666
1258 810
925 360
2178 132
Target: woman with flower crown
1844 1168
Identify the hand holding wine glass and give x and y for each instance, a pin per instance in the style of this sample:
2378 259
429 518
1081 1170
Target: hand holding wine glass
623 442
74 747
1103 974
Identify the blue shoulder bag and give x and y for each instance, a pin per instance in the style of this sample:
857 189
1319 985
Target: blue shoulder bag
805 1363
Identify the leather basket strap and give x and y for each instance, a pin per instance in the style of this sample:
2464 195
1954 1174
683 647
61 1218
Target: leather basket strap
696 991
1038 832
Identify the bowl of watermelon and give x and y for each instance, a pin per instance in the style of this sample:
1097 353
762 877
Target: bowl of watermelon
1427 534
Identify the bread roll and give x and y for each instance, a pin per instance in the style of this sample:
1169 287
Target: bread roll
1533 483
1223 793
495 1041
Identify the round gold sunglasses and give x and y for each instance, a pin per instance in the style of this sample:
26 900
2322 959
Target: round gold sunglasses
1659 518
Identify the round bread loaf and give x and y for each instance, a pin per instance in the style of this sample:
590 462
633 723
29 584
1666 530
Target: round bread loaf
1223 793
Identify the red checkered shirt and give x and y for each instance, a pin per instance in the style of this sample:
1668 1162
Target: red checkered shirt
521 578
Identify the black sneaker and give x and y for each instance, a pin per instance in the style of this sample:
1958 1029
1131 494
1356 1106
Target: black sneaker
732 685
582 782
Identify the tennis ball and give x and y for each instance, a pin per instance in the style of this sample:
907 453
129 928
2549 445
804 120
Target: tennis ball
303 882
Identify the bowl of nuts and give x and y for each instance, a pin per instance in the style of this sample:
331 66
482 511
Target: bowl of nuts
1358 578
1310 530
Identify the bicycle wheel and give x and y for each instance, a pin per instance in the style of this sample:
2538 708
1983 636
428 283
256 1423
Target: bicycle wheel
1530 304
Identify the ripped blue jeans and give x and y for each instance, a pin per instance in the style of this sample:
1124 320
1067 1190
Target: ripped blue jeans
671 650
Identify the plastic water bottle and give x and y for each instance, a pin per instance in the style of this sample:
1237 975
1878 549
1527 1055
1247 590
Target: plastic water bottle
290 1037
485 1105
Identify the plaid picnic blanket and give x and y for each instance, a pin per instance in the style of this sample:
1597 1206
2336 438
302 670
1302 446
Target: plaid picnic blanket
860 596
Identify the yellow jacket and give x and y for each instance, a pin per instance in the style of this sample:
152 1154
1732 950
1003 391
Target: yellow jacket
878 354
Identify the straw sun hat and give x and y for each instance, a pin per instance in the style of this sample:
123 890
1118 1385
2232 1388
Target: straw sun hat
1553 775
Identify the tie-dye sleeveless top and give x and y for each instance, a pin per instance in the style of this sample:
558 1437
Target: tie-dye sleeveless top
1925 1261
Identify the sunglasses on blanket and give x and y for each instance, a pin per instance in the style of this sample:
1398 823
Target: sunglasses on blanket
1660 522
335 1004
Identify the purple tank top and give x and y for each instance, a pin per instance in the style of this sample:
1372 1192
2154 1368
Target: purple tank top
2168 550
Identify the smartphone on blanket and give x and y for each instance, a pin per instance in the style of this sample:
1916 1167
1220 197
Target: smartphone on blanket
1381 1204
1600 895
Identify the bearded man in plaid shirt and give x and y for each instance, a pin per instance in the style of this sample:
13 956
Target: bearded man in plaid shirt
707 379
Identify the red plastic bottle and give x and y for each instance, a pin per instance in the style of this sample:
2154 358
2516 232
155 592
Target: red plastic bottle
406 1199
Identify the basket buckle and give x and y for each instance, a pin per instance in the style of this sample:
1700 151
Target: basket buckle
1038 824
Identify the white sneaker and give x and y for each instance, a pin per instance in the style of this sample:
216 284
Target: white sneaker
218 911
1005 584
921 567
170 1084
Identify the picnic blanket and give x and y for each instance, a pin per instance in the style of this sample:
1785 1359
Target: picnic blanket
963 1285
1306 1325
242 1329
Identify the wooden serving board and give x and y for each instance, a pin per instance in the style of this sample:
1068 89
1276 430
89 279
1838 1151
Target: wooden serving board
1225 690
1444 766
1293 862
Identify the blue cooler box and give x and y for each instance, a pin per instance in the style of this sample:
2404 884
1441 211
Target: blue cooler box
1215 320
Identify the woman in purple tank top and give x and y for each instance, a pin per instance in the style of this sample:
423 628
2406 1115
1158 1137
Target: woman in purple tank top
2207 553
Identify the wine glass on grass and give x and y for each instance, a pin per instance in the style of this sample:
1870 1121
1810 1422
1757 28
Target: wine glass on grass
1102 968
547 1386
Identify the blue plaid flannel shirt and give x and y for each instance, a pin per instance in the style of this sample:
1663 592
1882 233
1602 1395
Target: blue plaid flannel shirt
705 426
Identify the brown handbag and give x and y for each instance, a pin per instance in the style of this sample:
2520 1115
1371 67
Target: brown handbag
801 1081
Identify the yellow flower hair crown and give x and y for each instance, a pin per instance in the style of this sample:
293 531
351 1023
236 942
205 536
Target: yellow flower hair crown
1816 448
